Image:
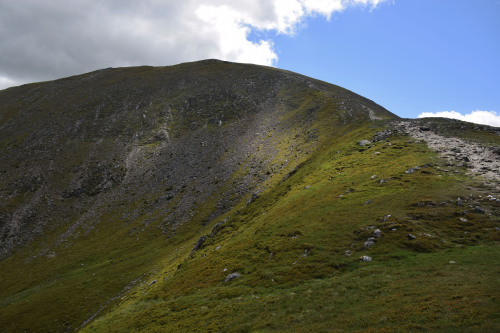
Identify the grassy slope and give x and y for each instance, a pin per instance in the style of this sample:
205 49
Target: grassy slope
53 286
107 269
308 283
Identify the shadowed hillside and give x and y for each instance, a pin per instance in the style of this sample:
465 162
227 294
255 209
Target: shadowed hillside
241 197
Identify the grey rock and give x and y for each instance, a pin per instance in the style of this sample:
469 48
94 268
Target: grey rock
377 233
379 136
199 243
232 276
368 243
365 258
478 210
412 170
363 143
152 282
411 237
252 198
459 202
218 227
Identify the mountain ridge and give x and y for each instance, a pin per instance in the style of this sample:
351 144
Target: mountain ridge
241 196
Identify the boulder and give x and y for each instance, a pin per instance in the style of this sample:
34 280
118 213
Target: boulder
363 143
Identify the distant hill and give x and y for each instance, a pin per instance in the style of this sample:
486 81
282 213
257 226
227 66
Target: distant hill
216 196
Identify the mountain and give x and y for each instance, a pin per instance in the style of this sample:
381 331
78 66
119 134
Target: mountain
216 196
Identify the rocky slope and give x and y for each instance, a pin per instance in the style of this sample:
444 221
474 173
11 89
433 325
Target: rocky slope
141 198
173 137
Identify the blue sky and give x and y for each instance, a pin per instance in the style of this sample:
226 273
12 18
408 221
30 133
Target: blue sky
414 57
410 56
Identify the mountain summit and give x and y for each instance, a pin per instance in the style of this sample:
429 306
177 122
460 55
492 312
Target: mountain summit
216 196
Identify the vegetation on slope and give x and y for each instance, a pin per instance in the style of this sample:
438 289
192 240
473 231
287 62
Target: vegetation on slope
298 250
262 170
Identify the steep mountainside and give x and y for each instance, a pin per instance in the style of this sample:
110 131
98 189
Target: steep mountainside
215 196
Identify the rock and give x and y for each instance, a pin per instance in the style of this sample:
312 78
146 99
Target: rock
365 258
387 217
218 226
368 243
462 219
232 276
152 282
411 237
363 143
199 243
452 262
379 136
424 129
377 233
497 228
478 210
252 198
368 202
348 253
412 170
459 202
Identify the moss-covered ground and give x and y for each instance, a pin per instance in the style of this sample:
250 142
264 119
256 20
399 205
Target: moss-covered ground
289 245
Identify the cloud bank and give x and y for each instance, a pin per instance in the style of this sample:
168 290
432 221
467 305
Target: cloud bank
44 40
479 117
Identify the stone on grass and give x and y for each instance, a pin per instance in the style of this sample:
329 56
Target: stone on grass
365 258
369 243
232 276
199 244
377 233
411 237
364 143
412 170
478 209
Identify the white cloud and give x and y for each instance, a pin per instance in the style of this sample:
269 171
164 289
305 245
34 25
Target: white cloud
44 40
5 82
479 117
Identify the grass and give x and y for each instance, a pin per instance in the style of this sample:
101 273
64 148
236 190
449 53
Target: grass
128 264
409 285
